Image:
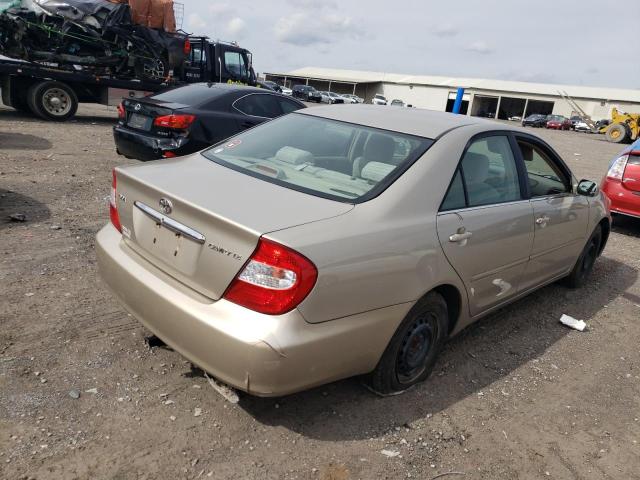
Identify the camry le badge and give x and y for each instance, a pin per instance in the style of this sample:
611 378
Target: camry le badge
166 205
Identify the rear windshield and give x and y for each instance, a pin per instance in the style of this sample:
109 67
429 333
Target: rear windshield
191 94
341 161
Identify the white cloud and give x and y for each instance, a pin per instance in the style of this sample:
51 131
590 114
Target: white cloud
479 47
196 22
313 4
220 9
236 26
446 30
303 28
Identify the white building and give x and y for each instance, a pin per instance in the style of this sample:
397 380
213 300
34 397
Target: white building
483 97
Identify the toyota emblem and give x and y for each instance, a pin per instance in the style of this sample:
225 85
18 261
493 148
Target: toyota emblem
166 205
137 107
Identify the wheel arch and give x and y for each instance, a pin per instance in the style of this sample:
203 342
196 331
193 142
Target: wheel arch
453 299
605 227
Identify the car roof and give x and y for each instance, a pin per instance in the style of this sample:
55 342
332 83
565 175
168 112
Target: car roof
413 121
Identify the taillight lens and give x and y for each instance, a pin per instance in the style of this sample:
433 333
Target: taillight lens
113 207
187 47
616 170
122 114
176 122
274 280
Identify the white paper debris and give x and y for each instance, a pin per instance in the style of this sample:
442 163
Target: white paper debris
573 323
390 453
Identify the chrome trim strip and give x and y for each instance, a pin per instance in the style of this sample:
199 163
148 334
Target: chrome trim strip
171 224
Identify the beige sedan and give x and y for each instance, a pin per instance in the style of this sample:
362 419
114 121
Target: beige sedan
341 241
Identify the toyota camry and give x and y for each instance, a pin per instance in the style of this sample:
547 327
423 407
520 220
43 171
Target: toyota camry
344 240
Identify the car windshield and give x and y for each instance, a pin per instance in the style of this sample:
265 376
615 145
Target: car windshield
327 158
556 118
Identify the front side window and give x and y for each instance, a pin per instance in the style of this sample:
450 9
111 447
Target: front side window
234 61
317 156
487 175
544 175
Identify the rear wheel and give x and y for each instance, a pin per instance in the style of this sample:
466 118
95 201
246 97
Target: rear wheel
617 133
52 100
584 265
414 348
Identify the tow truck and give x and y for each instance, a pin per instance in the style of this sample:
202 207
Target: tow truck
53 93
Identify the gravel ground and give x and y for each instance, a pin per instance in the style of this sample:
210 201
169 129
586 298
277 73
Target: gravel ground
515 396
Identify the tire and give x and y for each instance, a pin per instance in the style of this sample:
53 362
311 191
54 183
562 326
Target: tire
52 100
413 350
617 133
584 264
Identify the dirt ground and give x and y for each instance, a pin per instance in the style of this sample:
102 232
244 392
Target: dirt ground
516 396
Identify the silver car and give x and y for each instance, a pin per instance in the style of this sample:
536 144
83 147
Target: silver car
341 241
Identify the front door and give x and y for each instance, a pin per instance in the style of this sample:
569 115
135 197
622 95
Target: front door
485 225
561 216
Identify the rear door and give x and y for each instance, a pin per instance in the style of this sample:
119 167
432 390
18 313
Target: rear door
485 223
560 215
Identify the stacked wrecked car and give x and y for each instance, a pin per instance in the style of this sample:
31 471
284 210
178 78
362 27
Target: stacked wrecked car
124 38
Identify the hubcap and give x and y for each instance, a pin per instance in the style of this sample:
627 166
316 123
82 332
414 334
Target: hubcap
56 101
615 134
415 348
154 69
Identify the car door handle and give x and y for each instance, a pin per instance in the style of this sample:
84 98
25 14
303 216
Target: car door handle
460 237
542 220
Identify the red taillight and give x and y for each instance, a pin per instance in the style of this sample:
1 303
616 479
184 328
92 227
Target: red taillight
121 112
113 207
274 280
176 122
187 47
169 154
616 170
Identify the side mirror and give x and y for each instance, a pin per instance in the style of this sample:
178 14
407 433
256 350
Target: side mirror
587 188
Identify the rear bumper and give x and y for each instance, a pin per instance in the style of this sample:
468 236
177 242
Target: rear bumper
261 354
146 147
623 201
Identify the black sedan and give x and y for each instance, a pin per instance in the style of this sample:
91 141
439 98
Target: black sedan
307 93
535 120
187 119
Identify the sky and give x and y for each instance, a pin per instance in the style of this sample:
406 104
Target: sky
532 41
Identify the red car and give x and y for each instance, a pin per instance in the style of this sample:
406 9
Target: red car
558 122
622 182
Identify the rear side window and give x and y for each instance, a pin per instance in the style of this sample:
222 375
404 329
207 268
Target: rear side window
195 94
259 105
487 174
288 106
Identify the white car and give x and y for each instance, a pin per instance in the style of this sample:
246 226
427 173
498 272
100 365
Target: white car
332 98
582 127
352 98
286 91
379 99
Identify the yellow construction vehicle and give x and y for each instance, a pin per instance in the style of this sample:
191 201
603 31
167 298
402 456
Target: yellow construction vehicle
624 127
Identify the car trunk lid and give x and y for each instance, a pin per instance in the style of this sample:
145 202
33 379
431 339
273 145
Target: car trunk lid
199 221
140 114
